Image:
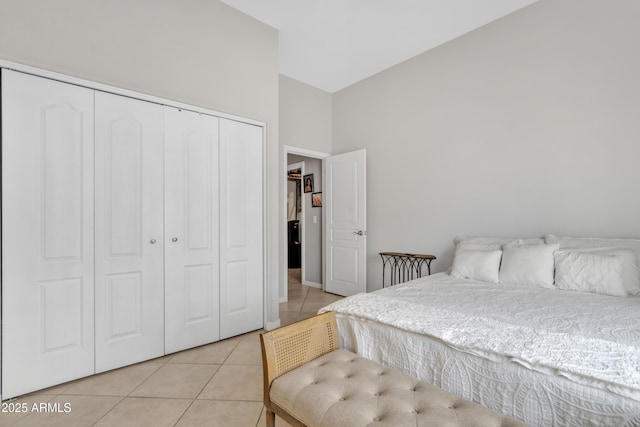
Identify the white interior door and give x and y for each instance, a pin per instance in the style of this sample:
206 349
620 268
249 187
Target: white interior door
47 233
241 264
192 283
346 223
129 298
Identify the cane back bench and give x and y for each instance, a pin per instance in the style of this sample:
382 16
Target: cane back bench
309 381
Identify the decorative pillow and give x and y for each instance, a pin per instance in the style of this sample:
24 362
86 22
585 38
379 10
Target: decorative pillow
590 272
628 248
477 264
630 272
528 265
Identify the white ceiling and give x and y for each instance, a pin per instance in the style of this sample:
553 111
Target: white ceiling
331 44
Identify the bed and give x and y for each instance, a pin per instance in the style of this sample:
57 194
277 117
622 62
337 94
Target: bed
544 330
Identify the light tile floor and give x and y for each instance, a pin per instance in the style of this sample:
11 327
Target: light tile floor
219 384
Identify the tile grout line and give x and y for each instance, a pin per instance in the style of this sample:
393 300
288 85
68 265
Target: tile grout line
122 398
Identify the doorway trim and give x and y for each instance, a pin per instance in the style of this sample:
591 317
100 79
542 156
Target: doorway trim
286 150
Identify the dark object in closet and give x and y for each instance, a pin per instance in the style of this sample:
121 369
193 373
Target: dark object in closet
295 249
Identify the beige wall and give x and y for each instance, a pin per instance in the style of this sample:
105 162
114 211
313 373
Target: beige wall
305 116
306 124
529 125
199 52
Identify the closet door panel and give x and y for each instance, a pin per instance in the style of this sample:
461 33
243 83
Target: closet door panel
241 279
129 231
191 215
47 240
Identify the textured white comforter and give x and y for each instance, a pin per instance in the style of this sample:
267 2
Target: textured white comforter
591 339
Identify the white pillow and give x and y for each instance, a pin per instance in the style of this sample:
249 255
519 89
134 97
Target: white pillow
477 264
590 272
628 248
480 242
528 265
592 242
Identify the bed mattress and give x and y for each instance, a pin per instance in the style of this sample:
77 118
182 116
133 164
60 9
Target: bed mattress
545 356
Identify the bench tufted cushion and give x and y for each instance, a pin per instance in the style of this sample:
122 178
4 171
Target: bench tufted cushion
342 389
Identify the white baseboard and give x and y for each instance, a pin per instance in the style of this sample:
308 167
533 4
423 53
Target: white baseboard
272 325
312 284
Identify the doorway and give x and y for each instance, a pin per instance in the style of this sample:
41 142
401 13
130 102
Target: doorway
308 225
304 221
295 218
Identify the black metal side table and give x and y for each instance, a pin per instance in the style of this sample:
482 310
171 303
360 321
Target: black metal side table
404 267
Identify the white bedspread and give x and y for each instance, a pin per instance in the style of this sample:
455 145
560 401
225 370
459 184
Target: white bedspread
590 339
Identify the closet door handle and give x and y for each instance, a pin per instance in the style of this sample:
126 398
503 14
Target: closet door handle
152 241
174 239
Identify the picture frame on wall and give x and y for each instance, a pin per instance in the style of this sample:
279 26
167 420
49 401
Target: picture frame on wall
307 182
316 200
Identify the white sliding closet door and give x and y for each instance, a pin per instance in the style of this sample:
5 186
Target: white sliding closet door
191 227
47 235
241 264
129 234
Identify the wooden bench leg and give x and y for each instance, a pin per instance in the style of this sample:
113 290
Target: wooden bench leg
271 418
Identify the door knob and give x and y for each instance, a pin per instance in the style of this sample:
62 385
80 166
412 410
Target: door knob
174 239
152 241
359 232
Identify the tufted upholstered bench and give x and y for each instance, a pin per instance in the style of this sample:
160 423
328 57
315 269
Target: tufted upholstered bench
309 381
